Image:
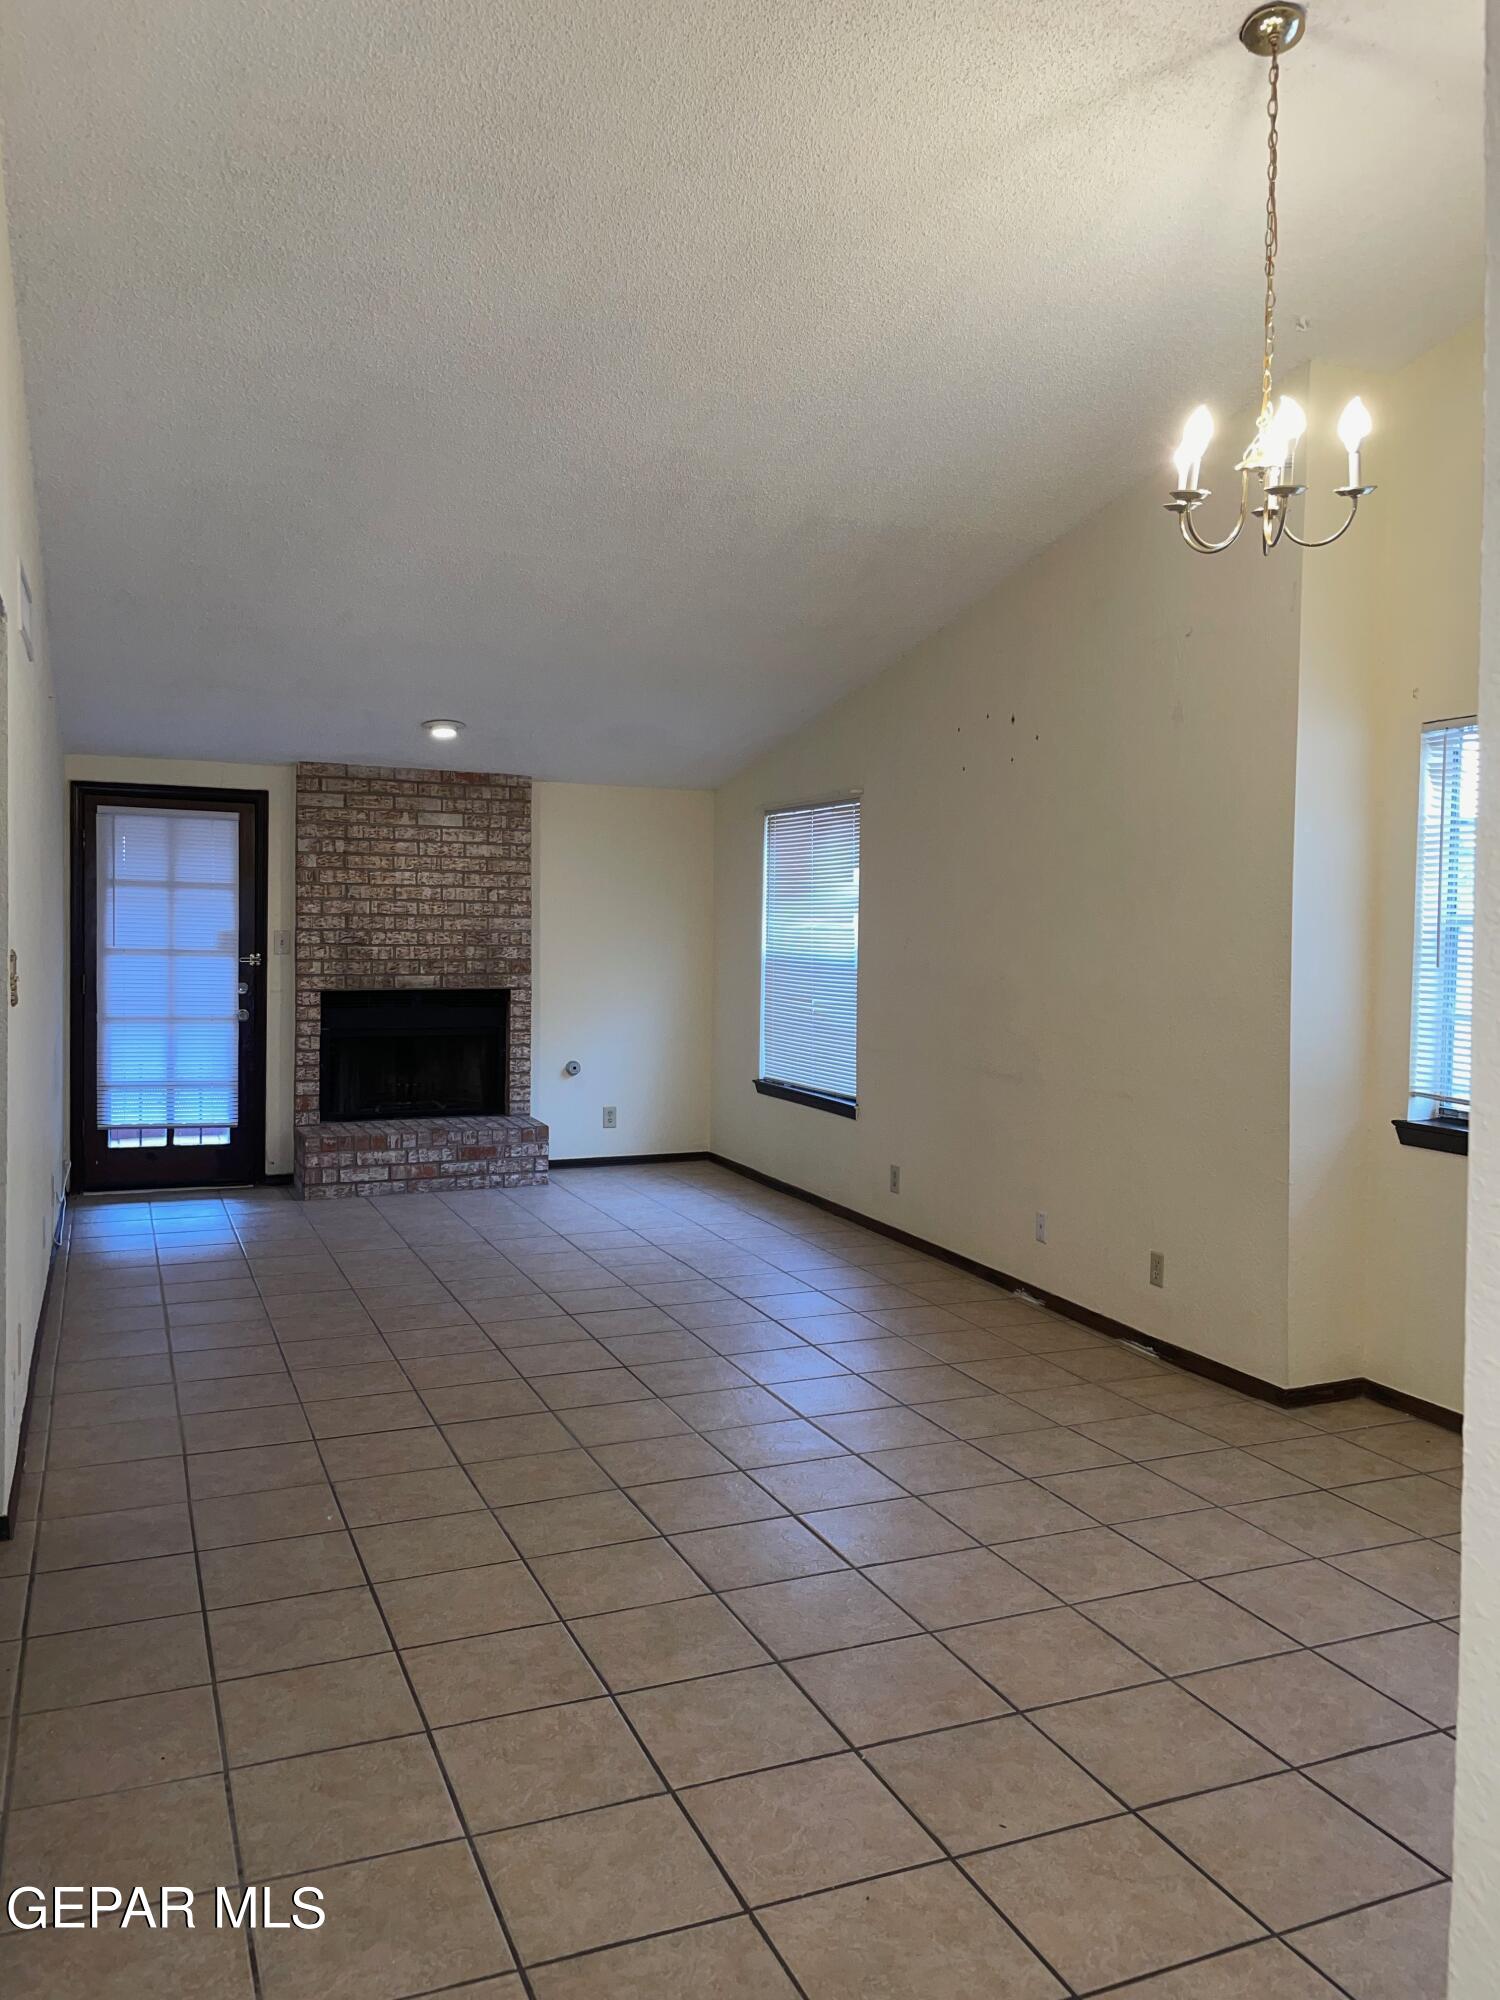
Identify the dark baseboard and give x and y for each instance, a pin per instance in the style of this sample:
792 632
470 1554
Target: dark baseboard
8 1520
1098 1322
275 1180
631 1159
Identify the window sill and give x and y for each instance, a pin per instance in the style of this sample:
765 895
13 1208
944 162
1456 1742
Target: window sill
815 1100
1437 1135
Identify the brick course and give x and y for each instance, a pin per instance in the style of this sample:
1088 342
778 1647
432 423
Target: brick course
408 877
404 1155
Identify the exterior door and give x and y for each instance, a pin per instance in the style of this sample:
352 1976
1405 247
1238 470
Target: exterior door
168 987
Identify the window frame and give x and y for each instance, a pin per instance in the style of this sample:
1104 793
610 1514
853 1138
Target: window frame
1434 1121
791 1091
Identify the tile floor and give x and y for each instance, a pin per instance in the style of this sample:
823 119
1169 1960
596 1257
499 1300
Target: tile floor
648 1587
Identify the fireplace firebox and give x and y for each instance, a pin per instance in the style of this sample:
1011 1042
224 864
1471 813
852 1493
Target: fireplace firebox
413 1053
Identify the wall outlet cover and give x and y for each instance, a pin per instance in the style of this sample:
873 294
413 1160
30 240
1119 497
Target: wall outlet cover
611 1117
1158 1268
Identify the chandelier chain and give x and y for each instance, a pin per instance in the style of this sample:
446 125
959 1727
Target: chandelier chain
1273 107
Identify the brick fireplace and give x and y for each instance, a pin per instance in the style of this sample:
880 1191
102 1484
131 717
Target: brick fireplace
410 880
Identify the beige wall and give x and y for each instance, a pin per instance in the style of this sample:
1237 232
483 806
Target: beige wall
624 968
279 782
1100 976
1427 667
1075 935
33 881
1390 638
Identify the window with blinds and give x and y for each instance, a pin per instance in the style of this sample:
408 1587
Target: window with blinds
810 949
1443 973
168 976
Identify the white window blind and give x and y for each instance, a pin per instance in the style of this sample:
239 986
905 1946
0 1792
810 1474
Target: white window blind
167 973
1443 973
810 948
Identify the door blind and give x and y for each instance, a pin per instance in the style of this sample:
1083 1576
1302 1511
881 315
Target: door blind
810 948
167 976
1443 975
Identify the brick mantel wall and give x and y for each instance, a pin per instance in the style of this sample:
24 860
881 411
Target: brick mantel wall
412 878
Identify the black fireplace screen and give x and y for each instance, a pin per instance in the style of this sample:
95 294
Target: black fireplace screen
412 1053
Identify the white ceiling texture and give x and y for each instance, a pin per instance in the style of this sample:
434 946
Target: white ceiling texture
630 378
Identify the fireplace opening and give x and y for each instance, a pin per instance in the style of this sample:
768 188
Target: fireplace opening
413 1053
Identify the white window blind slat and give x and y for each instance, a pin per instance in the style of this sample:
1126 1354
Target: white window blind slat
810 948
168 969
1443 955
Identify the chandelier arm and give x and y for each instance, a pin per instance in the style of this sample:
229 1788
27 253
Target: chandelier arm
1207 548
1325 541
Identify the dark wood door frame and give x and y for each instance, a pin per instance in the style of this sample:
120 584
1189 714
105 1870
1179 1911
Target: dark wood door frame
86 796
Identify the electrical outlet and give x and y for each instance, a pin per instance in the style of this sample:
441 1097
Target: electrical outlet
895 1180
1041 1227
1158 1268
610 1118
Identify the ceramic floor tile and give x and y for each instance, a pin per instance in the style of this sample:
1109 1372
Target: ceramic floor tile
1109 1902
176 1832
1395 1951
1314 1603
756 1552
599 1878
1184 1628
499 1673
395 1925
296 1632
1421 1575
1304 1707
1288 1851
340 1805
1046 1656
666 1642
583 1581
806 1827
459 1604
816 1614
287 1714
1406 1788
1254 1972
1090 1563
69 1600
726 1958
70 1753
961 1588
926 1932
512 1769
1153 1743
426 1547
728 1724
988 1783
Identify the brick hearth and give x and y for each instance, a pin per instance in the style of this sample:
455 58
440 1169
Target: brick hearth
402 1156
416 878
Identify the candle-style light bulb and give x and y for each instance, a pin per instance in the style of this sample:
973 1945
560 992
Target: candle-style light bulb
1188 457
1354 427
1288 426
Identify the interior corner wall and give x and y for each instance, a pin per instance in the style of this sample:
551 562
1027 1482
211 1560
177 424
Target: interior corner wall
278 781
623 966
1475 1934
33 880
1389 642
1076 888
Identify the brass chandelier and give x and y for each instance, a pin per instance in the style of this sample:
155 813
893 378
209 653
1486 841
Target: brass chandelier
1272 453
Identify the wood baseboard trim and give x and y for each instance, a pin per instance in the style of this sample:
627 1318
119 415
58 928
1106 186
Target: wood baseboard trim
632 1159
1166 1350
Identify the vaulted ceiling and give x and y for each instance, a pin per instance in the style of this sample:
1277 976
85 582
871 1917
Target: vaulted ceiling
630 378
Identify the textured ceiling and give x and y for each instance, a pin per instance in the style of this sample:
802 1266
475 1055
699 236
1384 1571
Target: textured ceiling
632 377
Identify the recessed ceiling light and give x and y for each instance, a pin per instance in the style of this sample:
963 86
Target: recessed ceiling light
441 730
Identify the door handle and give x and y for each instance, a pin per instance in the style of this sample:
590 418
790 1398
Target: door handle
252 958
